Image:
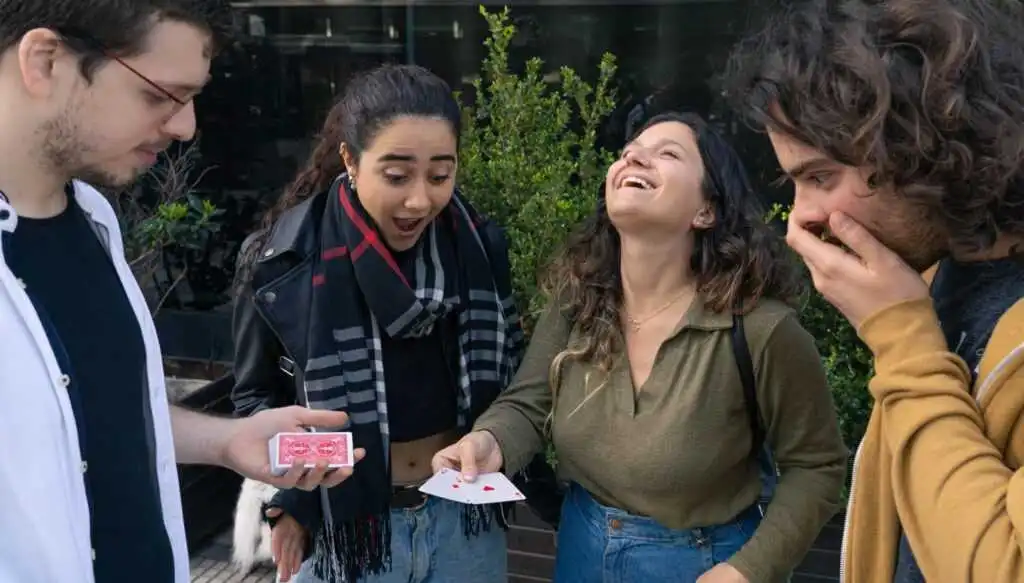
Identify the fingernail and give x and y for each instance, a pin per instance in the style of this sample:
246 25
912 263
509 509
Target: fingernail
840 220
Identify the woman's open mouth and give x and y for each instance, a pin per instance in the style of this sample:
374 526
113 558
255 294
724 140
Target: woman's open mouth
634 181
408 226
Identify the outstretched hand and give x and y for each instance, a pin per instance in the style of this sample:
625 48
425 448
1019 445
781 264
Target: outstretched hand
247 452
477 452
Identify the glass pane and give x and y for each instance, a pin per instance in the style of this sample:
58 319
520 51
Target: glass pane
272 89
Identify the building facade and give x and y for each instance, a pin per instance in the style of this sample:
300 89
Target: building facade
272 89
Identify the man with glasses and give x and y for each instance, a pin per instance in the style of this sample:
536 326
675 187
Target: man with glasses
90 93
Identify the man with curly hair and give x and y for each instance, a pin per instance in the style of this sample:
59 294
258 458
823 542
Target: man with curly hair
901 126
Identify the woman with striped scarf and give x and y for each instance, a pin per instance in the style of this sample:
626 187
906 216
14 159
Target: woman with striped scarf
374 288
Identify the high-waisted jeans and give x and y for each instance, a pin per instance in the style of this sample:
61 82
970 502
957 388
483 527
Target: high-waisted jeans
600 544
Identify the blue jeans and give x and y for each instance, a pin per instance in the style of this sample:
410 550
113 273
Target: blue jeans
428 546
600 544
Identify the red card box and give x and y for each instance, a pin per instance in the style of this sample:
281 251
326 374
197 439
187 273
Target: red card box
334 448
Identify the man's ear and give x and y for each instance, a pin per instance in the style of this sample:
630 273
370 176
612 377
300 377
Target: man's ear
38 51
705 218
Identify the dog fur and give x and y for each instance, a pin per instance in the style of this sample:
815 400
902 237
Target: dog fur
251 540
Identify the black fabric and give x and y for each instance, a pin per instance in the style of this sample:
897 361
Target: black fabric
741 352
359 295
270 336
759 452
420 375
969 297
96 337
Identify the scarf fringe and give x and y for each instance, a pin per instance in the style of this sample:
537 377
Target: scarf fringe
348 552
355 549
478 518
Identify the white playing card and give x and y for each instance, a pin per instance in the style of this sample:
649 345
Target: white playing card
485 489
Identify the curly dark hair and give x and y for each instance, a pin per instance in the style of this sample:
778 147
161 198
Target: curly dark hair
737 262
927 94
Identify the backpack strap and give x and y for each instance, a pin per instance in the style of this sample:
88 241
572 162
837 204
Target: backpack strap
741 352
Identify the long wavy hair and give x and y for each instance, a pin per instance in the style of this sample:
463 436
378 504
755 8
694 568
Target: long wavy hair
371 101
736 262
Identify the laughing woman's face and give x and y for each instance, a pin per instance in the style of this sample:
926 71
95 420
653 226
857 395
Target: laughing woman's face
657 182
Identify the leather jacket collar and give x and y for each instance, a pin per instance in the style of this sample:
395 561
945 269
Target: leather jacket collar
296 231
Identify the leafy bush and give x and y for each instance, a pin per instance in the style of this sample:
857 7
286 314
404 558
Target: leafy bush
530 161
161 213
528 156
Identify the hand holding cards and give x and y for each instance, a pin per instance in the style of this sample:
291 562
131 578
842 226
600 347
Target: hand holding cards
333 448
490 488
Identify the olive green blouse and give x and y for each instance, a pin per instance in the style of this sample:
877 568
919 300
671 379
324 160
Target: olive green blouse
679 451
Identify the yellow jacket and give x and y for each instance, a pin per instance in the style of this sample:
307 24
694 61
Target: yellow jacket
939 456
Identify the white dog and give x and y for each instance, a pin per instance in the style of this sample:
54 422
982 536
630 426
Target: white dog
251 544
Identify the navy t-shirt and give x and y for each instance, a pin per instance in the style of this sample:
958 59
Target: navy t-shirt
94 332
970 298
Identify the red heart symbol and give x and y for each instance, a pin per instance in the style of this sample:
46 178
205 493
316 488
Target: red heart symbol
488 488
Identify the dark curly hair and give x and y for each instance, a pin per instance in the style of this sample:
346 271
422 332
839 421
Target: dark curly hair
927 94
737 262
371 101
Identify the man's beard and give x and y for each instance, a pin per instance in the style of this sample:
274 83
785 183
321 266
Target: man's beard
66 150
917 243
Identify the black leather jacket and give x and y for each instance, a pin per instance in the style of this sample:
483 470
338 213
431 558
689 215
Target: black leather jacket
270 329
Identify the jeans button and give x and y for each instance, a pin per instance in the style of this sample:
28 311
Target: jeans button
615 524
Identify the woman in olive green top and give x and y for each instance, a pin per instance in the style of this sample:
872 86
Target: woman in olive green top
632 373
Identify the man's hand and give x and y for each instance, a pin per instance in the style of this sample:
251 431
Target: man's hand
857 285
246 452
476 452
722 573
287 543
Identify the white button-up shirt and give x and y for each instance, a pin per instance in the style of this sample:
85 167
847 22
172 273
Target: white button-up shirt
45 533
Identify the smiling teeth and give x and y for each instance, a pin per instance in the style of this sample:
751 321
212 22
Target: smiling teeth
636 182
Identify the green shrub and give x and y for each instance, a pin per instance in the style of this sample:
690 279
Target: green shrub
160 213
528 156
529 161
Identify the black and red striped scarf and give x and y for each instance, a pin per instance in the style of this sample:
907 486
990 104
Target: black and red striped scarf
359 293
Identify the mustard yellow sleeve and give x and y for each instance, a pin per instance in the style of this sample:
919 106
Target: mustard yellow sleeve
962 508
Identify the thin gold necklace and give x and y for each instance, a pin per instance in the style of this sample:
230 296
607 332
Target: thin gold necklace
635 323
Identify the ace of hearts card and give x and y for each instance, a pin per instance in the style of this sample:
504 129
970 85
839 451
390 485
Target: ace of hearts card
490 488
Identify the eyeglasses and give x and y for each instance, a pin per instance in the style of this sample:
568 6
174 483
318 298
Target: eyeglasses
177 103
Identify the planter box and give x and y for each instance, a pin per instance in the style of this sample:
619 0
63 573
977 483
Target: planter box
208 493
200 336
